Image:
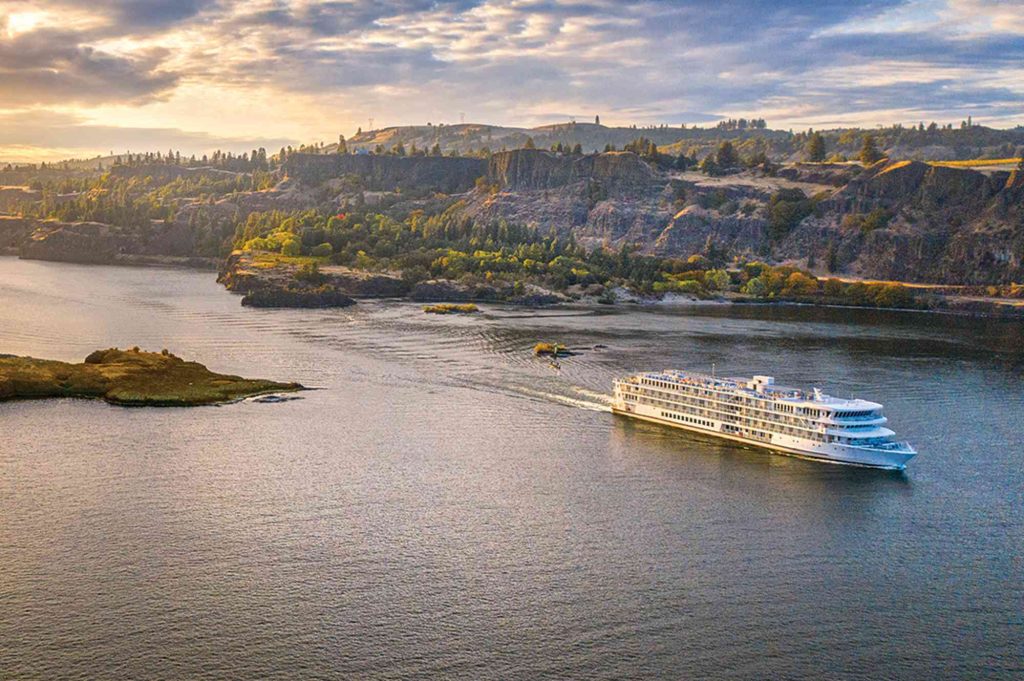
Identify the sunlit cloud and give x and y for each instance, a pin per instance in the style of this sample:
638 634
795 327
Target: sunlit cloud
303 70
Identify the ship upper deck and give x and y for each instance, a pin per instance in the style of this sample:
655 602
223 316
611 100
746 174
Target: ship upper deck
761 387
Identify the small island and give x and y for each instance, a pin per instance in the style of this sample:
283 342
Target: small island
129 378
451 308
552 350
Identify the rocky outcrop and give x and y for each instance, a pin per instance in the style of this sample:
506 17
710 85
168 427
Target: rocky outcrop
365 284
318 297
388 173
452 291
270 282
103 244
14 231
689 230
81 242
938 224
130 378
834 174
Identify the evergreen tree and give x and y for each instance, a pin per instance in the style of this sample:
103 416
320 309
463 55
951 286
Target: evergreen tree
597 120
816 148
529 144
709 166
726 156
869 153
342 147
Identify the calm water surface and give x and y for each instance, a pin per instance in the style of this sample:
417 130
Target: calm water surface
448 506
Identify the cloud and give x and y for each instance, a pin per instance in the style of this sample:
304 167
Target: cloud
52 66
330 64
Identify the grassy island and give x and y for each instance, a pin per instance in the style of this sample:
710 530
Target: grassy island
128 377
551 350
451 308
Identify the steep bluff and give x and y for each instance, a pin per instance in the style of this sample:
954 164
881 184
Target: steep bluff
526 169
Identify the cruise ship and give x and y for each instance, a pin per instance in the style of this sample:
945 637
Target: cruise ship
806 424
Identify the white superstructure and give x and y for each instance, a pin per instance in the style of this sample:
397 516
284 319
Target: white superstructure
808 424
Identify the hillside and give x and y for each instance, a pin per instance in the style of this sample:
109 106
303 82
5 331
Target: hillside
898 219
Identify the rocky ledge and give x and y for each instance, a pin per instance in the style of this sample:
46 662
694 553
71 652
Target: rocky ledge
130 378
320 296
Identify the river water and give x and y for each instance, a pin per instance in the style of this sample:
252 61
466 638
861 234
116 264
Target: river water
448 506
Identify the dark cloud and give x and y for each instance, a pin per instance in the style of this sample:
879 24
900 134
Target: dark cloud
52 66
138 16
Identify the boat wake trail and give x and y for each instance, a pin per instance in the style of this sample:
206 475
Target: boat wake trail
601 403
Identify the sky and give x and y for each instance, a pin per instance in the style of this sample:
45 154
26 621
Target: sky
85 77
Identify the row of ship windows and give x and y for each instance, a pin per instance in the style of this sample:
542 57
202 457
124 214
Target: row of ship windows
726 404
755 423
687 419
711 405
814 413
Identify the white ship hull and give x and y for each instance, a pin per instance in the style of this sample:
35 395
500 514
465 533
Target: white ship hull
779 443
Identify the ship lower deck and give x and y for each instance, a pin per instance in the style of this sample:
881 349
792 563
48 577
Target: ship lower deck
879 459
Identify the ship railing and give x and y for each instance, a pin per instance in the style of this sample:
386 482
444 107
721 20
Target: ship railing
887 447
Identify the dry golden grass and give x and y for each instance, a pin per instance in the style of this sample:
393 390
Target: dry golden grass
977 163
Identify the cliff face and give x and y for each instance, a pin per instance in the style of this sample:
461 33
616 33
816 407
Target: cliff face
905 220
387 173
525 169
944 225
602 199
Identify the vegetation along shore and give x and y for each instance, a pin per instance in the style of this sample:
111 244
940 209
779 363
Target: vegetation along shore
923 218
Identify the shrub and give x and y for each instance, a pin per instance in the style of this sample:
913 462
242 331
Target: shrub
292 247
310 273
716 280
324 250
756 287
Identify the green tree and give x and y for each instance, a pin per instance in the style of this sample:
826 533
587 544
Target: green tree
529 144
869 153
342 147
816 148
709 166
726 156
